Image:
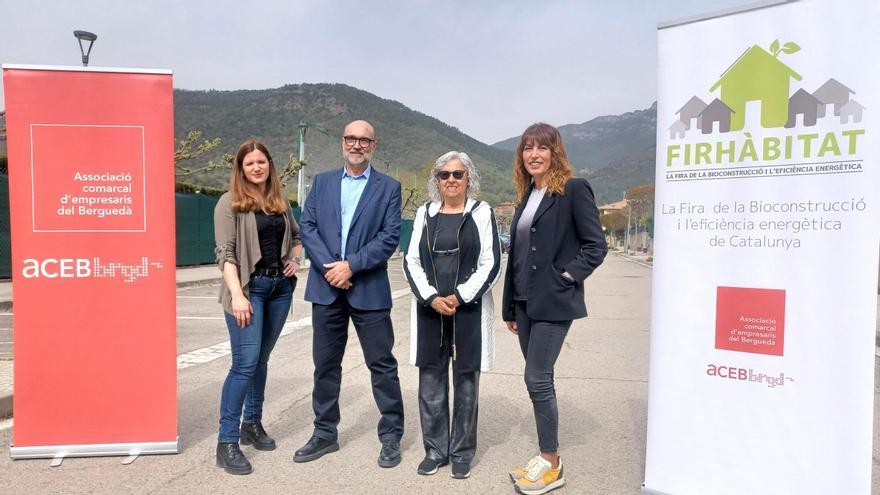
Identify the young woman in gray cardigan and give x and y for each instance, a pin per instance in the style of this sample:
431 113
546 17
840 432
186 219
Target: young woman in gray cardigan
258 251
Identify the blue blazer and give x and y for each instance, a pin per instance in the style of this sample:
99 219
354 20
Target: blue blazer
372 238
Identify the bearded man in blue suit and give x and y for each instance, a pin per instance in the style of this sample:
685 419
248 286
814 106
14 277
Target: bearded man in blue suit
350 226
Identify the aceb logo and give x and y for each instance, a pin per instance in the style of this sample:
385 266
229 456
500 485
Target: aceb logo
51 268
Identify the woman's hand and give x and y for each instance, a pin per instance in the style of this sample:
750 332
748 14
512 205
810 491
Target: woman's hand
242 310
441 305
290 268
452 302
511 326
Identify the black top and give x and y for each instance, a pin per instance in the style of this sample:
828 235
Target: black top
271 230
444 244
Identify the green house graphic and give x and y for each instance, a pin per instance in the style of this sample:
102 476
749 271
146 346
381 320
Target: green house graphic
757 76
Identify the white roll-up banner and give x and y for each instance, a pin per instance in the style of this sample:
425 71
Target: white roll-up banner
766 253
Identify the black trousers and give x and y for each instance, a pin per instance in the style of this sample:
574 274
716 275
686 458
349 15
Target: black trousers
460 444
376 335
541 343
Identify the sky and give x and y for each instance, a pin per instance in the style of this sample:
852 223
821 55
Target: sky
488 68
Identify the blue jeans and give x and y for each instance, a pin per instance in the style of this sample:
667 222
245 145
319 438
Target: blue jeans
246 382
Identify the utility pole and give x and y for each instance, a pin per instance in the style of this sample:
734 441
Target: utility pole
301 175
628 218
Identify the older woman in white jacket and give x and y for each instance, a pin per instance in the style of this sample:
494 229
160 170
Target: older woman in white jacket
452 262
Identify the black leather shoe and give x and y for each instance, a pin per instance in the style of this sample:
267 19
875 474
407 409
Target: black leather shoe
230 458
315 448
254 434
389 456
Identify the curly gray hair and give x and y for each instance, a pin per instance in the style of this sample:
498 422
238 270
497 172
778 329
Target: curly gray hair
473 177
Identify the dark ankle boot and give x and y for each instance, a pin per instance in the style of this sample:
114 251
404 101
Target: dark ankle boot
231 459
254 434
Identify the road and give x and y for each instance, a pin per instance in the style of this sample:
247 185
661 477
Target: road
601 381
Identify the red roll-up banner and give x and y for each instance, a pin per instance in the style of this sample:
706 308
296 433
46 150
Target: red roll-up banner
91 192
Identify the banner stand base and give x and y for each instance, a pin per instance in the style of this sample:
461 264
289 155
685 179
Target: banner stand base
58 452
647 491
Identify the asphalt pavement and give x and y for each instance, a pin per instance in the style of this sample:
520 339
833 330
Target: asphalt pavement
601 379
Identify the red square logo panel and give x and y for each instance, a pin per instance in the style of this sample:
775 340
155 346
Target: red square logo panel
88 178
750 320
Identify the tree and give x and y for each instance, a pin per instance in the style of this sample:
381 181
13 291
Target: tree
190 148
640 202
614 221
413 188
291 169
614 224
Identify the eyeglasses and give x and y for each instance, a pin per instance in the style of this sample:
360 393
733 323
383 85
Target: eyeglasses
444 175
363 141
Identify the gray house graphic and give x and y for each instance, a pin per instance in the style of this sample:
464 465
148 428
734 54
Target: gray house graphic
691 110
716 111
677 129
832 92
805 104
853 109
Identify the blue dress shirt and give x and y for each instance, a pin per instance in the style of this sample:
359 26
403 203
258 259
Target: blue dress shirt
352 189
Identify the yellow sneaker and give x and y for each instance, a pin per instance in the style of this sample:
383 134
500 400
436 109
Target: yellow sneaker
540 478
520 472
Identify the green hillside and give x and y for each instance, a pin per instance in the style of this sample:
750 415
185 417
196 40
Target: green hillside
408 140
614 152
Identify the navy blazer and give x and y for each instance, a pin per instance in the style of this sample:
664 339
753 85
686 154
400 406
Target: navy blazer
372 238
566 236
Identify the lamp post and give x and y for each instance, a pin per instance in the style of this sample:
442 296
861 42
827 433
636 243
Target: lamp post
300 181
628 218
85 36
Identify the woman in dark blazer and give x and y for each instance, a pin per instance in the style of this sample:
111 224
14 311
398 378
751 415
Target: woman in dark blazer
556 242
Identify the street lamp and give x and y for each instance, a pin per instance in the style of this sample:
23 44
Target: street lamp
300 179
628 219
85 36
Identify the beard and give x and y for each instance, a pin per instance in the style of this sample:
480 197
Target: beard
357 159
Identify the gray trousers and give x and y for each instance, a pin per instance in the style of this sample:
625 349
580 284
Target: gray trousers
541 342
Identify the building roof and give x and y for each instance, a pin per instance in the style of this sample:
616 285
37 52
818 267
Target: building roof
617 205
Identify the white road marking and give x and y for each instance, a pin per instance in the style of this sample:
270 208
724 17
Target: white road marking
217 351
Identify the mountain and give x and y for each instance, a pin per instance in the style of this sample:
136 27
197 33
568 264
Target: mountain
408 140
614 152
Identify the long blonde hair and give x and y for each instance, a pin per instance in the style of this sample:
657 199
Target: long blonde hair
248 197
560 170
